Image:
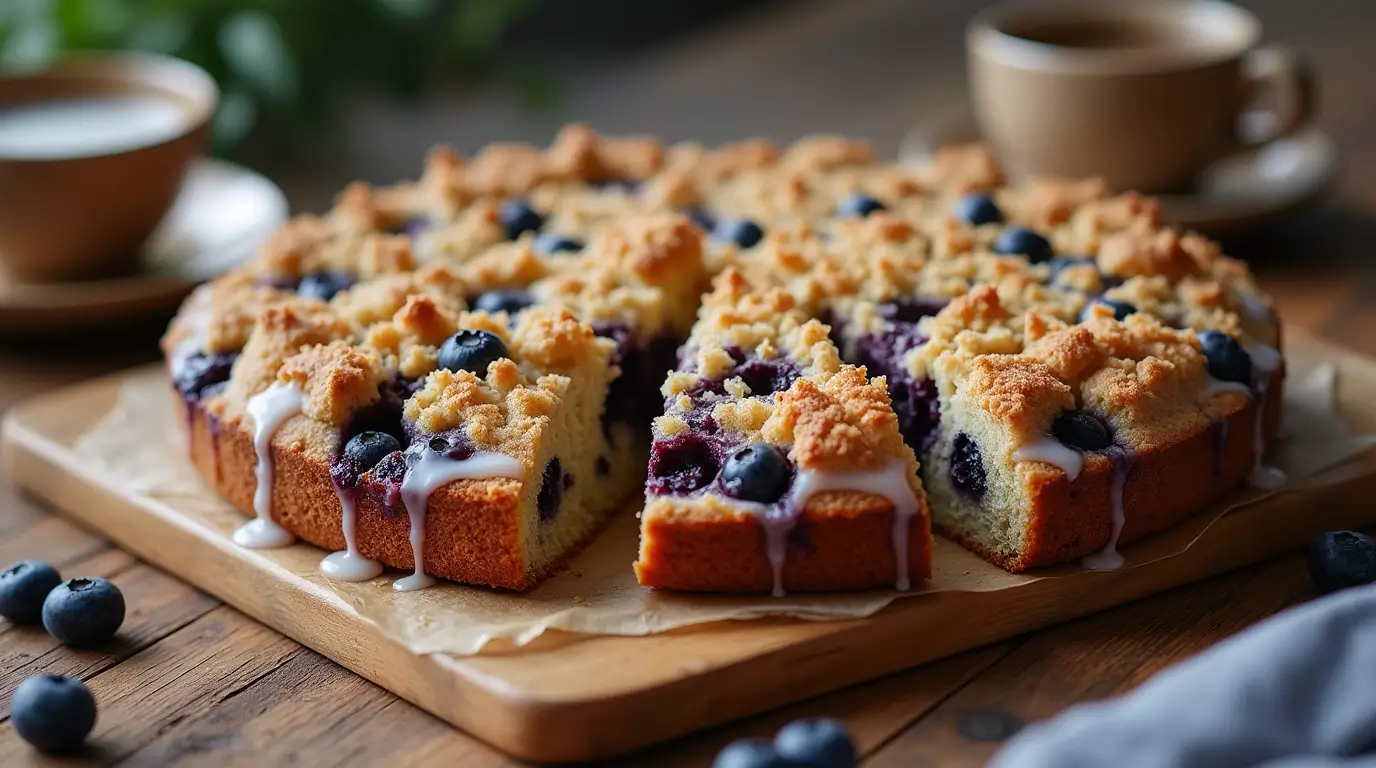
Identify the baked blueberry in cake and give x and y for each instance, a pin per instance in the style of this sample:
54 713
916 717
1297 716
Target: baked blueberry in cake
775 467
457 375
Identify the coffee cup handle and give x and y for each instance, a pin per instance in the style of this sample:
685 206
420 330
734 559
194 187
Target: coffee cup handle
1275 70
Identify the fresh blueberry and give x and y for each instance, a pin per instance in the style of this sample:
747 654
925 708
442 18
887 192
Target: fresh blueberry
756 472
509 302
1228 361
52 712
1025 242
977 209
967 466
1121 309
818 742
1342 559
83 613
1085 431
751 753
517 216
368 448
551 243
742 233
471 351
324 285
22 589
859 205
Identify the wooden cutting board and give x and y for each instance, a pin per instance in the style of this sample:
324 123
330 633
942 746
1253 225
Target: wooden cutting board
582 698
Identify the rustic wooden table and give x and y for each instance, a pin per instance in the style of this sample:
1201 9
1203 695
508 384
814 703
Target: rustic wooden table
190 680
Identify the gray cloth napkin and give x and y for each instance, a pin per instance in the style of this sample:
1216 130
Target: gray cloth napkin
1298 689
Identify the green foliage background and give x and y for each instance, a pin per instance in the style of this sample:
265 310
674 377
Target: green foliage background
284 61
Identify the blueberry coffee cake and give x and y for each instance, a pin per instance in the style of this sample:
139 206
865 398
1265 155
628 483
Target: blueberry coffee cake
803 358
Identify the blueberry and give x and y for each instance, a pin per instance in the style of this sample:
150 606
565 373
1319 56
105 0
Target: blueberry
368 448
509 302
1025 242
52 712
977 209
551 243
703 219
859 205
200 372
22 589
967 466
1342 559
751 753
743 233
1121 309
1228 361
324 285
765 377
471 351
681 464
552 484
517 216
1085 431
83 613
821 742
756 472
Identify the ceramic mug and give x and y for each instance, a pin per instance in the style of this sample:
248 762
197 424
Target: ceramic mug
1142 94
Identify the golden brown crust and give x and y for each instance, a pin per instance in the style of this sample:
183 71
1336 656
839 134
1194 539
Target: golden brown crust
843 540
1165 484
1018 344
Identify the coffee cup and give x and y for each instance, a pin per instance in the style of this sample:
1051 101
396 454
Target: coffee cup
1143 94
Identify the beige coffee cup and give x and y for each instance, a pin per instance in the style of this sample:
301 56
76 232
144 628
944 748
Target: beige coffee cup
1143 94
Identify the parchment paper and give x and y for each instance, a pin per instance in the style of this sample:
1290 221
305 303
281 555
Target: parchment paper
139 445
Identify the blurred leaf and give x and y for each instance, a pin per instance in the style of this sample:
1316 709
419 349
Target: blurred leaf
408 10
253 49
30 45
234 118
166 34
293 60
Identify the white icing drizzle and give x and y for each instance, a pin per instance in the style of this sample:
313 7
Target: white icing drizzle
268 409
778 519
891 482
348 564
1108 558
1265 361
429 471
1217 387
1052 451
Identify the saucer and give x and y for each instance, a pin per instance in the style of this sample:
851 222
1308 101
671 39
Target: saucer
1236 194
221 214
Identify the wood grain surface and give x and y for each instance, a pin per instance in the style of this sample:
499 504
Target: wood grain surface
194 682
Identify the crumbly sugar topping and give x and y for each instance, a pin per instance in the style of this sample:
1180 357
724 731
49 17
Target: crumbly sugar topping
1018 339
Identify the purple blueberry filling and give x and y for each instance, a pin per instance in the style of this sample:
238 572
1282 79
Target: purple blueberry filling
682 464
413 227
383 415
765 377
200 375
553 482
912 309
631 399
914 400
967 467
